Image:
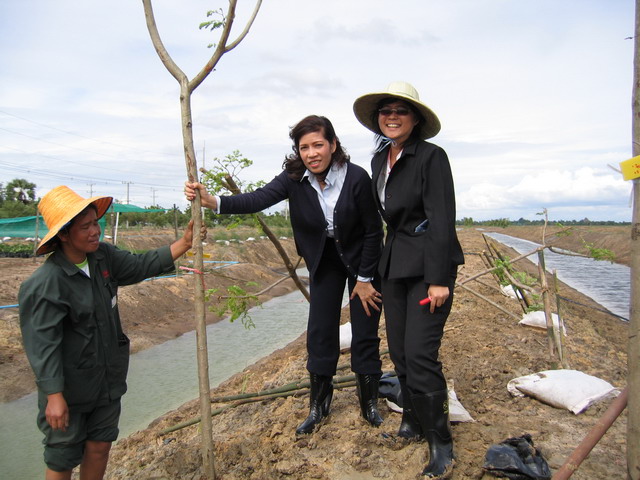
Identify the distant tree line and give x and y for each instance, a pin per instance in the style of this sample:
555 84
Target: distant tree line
18 199
505 222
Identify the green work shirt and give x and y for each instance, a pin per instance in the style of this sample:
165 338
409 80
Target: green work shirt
71 327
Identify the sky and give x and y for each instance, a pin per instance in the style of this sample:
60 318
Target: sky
534 97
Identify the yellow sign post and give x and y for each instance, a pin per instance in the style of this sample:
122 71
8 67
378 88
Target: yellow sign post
631 168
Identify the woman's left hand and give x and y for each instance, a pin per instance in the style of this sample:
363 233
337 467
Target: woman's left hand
368 295
438 295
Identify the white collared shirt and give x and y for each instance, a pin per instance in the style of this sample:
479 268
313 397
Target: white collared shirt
381 184
328 197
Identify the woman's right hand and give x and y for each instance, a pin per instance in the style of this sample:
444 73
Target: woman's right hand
206 198
368 295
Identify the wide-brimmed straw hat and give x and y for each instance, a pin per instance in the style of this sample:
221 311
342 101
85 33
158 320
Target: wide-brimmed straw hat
366 105
60 206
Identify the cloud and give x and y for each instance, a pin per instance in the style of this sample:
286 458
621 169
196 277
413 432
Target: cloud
555 190
533 97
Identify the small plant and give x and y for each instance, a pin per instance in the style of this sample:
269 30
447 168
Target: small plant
592 251
524 280
17 250
499 222
500 266
245 381
236 305
599 253
534 307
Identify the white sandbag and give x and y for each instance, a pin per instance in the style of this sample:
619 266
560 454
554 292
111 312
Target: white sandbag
457 413
538 320
508 291
345 336
569 389
393 406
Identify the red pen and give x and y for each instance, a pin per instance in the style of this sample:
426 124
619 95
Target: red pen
424 301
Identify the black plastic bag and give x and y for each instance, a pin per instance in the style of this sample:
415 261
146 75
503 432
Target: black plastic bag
516 458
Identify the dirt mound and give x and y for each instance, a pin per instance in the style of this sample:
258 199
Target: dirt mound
483 348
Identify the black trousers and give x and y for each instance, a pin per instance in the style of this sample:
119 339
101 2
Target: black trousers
414 333
323 336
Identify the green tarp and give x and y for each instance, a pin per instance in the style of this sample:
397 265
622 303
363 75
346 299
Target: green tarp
125 208
25 227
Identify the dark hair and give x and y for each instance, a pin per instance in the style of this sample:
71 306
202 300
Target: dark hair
381 140
293 163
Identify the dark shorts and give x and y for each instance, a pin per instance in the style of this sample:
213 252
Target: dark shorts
64 450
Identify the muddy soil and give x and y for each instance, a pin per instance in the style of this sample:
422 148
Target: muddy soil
483 348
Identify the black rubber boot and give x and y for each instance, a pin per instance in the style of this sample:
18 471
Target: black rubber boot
368 386
410 428
319 402
432 411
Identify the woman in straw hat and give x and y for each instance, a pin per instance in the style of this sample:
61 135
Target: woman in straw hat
72 333
413 189
338 232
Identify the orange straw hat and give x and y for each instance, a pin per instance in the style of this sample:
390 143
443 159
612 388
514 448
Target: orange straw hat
365 106
60 206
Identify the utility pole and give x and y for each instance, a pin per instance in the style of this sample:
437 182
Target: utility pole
633 358
91 189
204 157
153 196
127 184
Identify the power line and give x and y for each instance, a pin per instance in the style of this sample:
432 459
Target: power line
126 147
59 174
58 160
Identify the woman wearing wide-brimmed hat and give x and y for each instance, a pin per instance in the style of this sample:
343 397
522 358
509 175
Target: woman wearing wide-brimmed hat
72 333
338 232
413 188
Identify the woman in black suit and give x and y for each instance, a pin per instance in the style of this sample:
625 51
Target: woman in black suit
413 189
338 232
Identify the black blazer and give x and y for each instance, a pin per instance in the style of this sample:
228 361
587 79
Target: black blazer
357 224
419 189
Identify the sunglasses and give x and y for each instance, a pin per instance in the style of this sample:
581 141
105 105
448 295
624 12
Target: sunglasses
398 111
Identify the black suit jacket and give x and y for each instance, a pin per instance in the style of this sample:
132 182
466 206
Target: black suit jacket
357 224
419 188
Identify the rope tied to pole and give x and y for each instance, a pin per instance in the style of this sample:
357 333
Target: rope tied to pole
196 271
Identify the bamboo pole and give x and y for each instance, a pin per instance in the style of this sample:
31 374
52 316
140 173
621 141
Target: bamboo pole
517 287
479 295
37 234
514 260
561 328
218 411
554 348
298 385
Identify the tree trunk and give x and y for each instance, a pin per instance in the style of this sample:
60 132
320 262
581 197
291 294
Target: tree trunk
186 88
200 313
